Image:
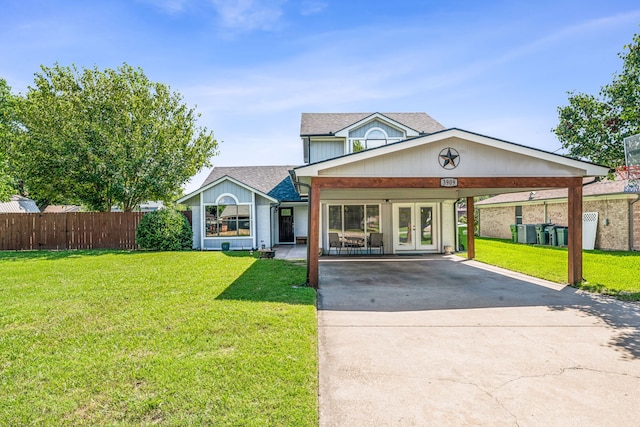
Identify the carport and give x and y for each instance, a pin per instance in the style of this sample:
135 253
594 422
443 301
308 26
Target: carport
433 172
440 340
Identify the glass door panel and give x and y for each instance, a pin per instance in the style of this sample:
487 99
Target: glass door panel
426 219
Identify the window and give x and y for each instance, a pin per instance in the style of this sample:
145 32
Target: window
354 221
375 137
518 214
227 218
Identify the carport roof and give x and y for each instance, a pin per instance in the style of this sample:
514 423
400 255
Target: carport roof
583 168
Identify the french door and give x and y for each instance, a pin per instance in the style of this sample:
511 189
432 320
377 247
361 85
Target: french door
415 227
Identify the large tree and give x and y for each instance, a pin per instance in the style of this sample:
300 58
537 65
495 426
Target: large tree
6 136
593 127
108 137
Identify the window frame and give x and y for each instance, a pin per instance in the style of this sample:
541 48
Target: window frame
248 221
518 218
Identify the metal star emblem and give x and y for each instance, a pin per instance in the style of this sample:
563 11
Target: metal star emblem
449 158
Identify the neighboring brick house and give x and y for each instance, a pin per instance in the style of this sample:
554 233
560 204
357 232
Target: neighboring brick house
618 213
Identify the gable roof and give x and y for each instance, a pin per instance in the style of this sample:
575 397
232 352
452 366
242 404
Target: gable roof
591 188
589 169
273 181
330 123
19 204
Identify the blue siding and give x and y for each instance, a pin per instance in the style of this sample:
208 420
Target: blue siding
242 194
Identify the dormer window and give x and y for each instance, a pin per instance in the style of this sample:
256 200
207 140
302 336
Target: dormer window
376 137
372 138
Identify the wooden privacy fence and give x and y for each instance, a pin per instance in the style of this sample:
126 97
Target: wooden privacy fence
76 230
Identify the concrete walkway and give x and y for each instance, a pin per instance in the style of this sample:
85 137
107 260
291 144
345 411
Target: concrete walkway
291 252
442 341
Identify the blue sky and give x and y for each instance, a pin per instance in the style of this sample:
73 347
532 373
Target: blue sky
500 68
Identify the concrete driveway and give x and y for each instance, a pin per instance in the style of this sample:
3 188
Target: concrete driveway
443 341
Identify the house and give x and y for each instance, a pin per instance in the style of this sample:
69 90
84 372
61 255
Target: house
399 174
248 207
62 209
618 219
19 204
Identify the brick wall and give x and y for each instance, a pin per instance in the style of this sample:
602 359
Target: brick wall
615 235
533 214
495 221
636 226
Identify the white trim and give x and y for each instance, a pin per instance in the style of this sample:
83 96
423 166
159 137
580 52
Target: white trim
222 179
253 231
227 195
389 121
588 168
436 227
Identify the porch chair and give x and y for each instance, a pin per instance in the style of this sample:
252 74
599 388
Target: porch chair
375 241
334 242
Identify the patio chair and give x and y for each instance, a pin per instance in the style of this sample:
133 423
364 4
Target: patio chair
334 242
375 241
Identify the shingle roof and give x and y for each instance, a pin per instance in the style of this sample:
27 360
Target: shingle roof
19 204
328 123
271 180
593 189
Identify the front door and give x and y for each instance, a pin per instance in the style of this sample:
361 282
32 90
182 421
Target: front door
415 227
285 225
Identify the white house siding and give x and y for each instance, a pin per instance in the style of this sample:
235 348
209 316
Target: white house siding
301 219
448 227
362 130
234 243
475 160
242 194
263 222
322 150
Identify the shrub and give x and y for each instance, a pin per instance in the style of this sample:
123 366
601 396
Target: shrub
164 230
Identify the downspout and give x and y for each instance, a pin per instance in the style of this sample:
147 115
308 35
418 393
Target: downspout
631 223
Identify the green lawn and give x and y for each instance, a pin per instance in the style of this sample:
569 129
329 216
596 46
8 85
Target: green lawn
140 338
614 273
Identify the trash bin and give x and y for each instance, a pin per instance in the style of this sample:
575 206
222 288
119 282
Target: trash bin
514 233
542 235
553 239
462 237
563 236
526 233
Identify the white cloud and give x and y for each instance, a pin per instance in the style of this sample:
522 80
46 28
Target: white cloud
311 7
248 15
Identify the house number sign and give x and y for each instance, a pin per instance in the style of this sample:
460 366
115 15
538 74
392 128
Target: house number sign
448 182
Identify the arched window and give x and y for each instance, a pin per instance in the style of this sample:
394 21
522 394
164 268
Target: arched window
227 218
375 137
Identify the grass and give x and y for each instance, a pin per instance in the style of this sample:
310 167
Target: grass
612 273
141 338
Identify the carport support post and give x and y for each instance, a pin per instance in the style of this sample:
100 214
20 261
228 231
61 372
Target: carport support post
575 233
314 235
471 228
